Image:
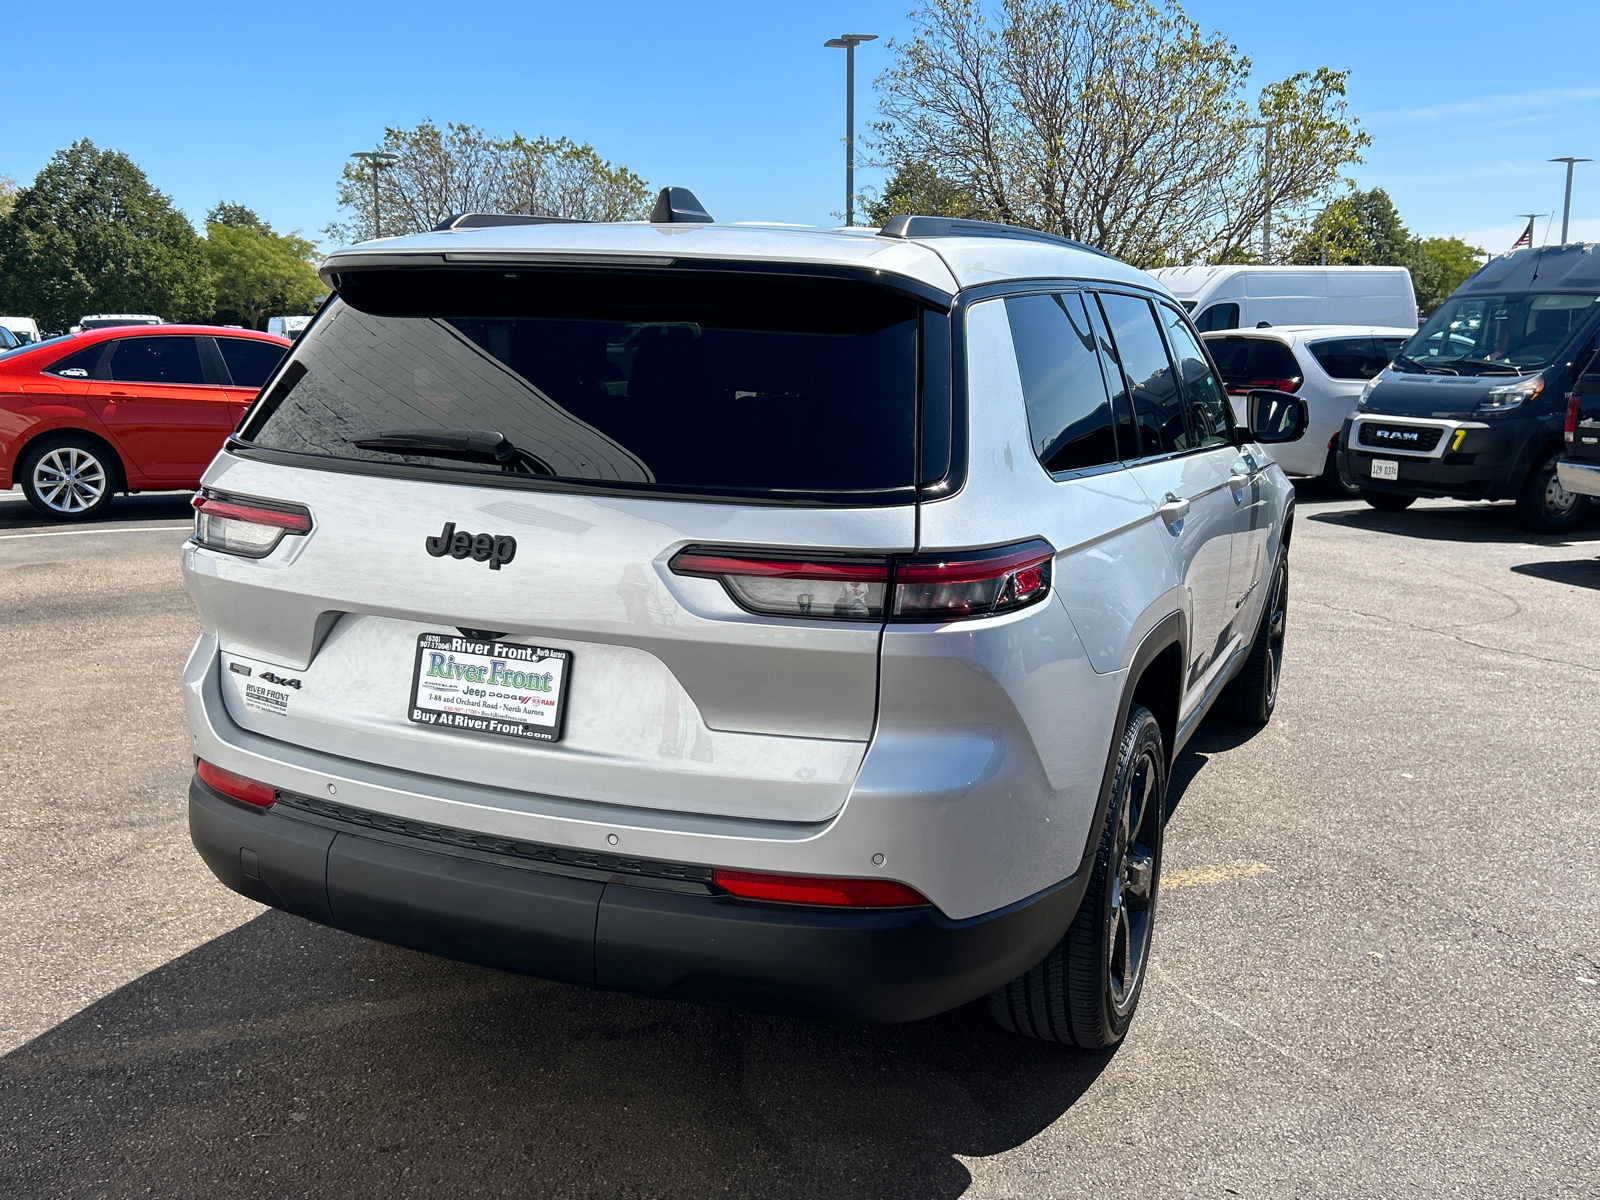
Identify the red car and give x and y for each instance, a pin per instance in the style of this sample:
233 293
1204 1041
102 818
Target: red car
132 408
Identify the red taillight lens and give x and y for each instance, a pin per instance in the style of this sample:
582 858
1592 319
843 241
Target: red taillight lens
847 589
1570 432
971 583
809 889
1276 385
923 587
252 528
235 786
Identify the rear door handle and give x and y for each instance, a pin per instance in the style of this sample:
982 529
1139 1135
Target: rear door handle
1174 510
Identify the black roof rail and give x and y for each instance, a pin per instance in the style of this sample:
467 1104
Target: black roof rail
679 206
493 220
909 227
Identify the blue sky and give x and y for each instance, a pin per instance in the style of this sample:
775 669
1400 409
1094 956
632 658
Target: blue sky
260 103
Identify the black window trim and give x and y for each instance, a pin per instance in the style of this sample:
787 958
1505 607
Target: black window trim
1216 375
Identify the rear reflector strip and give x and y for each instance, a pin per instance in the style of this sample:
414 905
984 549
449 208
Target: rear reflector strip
236 787
809 889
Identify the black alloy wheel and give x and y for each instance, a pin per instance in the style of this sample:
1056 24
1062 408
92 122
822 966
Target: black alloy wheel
1252 697
1086 990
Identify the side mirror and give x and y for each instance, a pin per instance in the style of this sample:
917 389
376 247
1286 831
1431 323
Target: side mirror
1276 416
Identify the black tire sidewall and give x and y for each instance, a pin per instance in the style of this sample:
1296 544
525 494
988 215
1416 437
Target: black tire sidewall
89 445
1531 506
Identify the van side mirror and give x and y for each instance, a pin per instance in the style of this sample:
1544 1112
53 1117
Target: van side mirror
1276 416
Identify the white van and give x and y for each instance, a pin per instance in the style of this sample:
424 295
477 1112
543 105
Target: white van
1247 297
26 329
289 327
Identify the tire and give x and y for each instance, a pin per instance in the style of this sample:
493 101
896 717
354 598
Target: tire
69 477
1333 481
1544 505
1253 695
1387 501
1086 990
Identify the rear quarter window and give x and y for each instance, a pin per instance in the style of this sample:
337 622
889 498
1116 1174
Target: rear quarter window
729 384
1349 358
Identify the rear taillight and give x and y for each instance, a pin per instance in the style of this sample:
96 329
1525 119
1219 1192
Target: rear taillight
248 527
1570 432
236 787
1275 385
919 587
810 889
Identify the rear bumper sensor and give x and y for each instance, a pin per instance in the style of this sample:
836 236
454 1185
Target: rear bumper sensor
647 934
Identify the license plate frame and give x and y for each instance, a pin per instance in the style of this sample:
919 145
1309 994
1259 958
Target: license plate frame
1386 468
459 697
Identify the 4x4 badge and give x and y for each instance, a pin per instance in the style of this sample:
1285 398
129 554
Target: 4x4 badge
485 547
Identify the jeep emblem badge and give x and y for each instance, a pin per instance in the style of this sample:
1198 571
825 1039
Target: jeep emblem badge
485 547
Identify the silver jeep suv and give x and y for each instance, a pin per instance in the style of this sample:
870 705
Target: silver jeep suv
791 620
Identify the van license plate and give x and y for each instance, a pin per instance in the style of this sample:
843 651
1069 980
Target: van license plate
1385 468
468 686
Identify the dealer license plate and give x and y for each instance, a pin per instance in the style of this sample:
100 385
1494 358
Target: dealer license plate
470 686
1385 468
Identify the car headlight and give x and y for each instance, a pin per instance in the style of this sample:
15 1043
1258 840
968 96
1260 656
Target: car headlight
1509 395
1361 404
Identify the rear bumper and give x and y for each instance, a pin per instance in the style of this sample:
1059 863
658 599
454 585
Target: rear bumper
1583 478
677 940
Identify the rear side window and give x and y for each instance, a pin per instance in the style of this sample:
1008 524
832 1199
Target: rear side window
1218 316
1208 406
1255 362
249 362
165 360
1350 358
1152 386
81 365
1069 413
724 383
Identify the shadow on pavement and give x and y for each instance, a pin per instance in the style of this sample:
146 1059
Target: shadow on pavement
1464 523
1579 572
1214 736
17 514
285 1058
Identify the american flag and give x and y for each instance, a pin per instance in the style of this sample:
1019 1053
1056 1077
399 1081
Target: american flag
1527 237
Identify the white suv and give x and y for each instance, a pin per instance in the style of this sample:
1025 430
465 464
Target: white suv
801 621
1328 365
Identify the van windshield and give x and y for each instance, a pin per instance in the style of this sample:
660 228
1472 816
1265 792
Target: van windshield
726 383
1496 335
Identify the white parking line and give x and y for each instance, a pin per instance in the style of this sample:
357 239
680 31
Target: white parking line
11 537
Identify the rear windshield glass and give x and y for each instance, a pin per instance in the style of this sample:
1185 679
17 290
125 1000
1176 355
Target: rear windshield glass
727 383
1254 362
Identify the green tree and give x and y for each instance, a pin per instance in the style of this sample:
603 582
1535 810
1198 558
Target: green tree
460 168
91 235
8 195
1438 267
918 189
1116 122
1357 229
256 272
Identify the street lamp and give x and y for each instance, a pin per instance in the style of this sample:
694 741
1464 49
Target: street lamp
376 160
1566 210
1266 174
848 43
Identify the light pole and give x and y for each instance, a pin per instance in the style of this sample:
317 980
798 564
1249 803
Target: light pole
848 43
1566 210
1266 178
376 160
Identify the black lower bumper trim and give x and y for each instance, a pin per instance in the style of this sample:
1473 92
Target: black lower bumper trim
875 965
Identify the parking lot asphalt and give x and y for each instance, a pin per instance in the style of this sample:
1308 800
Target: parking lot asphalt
1375 970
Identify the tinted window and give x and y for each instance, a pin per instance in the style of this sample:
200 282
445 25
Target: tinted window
249 362
1208 405
1069 413
1218 316
168 360
1388 347
80 365
1348 358
1116 384
1157 407
720 382
1247 362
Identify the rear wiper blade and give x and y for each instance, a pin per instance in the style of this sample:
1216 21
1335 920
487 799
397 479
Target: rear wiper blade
465 445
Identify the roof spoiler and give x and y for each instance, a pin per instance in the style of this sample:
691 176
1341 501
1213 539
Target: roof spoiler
679 206
909 227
